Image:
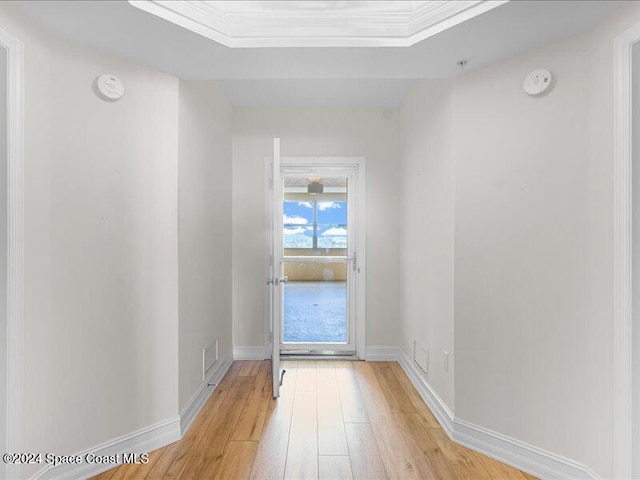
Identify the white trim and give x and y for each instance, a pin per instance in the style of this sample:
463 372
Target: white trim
268 180
250 353
15 275
423 32
141 441
622 256
380 353
437 406
202 394
277 267
361 248
521 455
144 440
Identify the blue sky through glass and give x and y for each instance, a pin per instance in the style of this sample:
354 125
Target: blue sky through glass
298 224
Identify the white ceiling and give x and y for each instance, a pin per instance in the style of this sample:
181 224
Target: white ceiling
314 23
308 76
331 92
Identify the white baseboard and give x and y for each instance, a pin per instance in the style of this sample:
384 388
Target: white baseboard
142 441
378 353
191 410
440 410
521 455
249 353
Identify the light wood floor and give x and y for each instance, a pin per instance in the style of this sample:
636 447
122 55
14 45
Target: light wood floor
334 420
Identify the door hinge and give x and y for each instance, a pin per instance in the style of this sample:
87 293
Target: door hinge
355 261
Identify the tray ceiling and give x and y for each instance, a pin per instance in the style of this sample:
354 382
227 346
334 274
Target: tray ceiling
259 24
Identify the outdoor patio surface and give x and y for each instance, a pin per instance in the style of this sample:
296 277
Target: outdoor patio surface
315 312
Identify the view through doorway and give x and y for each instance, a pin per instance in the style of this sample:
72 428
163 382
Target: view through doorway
316 263
316 266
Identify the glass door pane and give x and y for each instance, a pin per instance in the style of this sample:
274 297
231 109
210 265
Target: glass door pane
315 217
316 239
316 302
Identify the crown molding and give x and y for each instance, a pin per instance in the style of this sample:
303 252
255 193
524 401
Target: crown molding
289 24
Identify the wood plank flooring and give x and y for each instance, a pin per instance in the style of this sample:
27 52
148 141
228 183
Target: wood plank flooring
334 420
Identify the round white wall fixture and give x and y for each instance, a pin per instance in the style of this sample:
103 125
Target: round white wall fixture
109 87
537 81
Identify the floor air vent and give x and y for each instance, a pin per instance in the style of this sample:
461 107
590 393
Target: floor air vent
421 357
209 358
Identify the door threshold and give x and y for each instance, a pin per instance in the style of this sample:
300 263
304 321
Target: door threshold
318 355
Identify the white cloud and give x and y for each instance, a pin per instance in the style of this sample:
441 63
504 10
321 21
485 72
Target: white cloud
327 205
335 232
305 204
293 231
310 228
287 220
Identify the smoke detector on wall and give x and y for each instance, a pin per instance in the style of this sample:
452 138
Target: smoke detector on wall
109 87
537 82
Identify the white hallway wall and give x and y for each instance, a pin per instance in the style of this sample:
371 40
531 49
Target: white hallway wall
533 253
102 333
357 131
426 236
204 200
100 247
533 322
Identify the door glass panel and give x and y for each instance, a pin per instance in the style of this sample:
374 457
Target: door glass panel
315 302
315 246
315 217
332 224
297 231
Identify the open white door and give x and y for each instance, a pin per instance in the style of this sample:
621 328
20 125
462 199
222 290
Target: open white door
275 279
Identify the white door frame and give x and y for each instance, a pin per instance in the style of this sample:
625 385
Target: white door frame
276 268
623 316
360 163
15 243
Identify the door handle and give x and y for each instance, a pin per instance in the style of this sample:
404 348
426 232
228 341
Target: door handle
275 281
